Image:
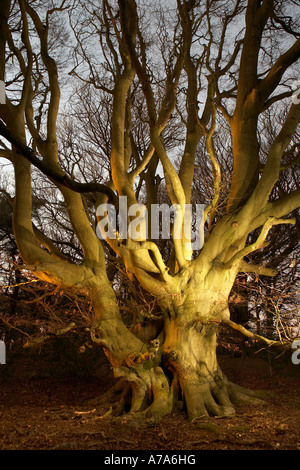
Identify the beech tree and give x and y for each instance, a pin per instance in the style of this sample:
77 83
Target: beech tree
204 66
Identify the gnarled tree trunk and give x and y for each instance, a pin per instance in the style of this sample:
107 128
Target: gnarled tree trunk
183 370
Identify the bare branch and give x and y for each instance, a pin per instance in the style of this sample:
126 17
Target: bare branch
249 334
260 240
270 82
59 178
257 269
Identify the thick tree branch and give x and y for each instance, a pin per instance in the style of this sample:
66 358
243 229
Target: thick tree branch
256 18
157 121
216 170
260 240
51 150
278 208
134 245
270 82
254 268
254 336
271 170
59 178
194 126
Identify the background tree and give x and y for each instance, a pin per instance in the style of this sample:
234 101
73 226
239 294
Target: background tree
197 67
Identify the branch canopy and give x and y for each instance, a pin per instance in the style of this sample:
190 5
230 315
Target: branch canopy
58 177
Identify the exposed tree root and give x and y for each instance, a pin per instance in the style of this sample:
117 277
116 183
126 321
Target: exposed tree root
115 398
241 395
216 398
152 399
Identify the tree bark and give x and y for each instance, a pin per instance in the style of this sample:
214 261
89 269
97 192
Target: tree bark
183 371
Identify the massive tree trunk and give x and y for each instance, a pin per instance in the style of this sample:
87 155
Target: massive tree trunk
179 369
190 355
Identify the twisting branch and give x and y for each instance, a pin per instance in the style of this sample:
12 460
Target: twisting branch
157 120
55 176
260 240
51 148
135 245
140 167
59 332
257 269
270 82
215 165
273 164
249 334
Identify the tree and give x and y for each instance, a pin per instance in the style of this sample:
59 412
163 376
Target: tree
181 67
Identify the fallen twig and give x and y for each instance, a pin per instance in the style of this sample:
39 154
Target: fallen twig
85 412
